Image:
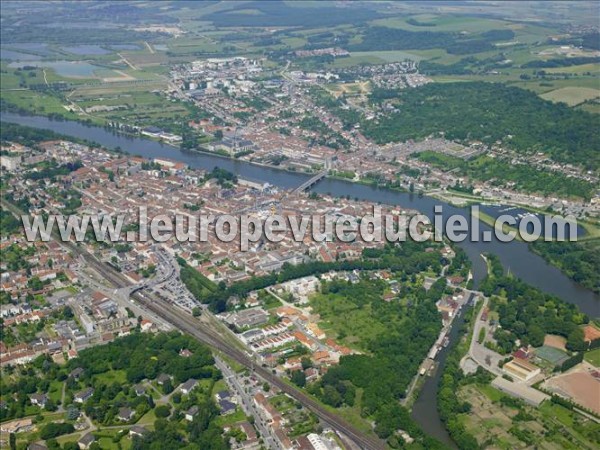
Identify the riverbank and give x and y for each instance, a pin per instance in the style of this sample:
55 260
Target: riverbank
514 255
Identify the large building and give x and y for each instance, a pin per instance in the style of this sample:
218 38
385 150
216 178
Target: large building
520 390
521 369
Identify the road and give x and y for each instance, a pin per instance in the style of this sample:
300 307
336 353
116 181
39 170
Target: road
203 333
247 403
486 358
126 61
149 47
195 328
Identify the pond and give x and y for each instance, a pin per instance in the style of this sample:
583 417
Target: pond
86 50
17 56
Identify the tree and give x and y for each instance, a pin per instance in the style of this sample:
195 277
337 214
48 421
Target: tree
167 387
331 396
536 335
162 411
575 340
298 378
306 362
72 413
52 430
35 284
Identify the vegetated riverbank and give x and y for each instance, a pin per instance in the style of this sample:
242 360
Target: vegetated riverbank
580 260
514 255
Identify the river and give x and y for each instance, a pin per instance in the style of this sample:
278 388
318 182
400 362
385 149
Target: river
514 256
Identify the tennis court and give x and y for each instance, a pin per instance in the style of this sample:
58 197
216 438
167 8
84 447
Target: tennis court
551 354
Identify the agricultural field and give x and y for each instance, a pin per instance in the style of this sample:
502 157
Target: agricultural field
349 89
435 22
572 96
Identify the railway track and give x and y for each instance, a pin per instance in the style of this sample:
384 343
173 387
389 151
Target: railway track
200 331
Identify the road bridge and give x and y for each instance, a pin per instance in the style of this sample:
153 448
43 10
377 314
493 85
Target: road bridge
311 182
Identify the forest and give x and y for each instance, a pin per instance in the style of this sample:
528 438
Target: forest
578 260
145 356
528 314
384 38
491 112
28 136
522 176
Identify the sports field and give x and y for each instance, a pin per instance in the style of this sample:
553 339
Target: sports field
551 354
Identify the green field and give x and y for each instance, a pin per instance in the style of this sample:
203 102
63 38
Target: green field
443 23
571 95
593 357
118 376
337 312
583 68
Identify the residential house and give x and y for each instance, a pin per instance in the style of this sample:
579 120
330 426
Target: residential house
86 441
188 386
163 378
125 414
39 400
138 431
83 396
191 413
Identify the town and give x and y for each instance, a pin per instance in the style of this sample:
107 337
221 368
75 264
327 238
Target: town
275 225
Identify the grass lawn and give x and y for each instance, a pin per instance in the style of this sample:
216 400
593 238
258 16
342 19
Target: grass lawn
73 437
352 414
107 443
490 392
390 55
220 385
270 302
55 391
112 376
282 402
443 23
593 357
229 419
147 419
582 68
37 102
